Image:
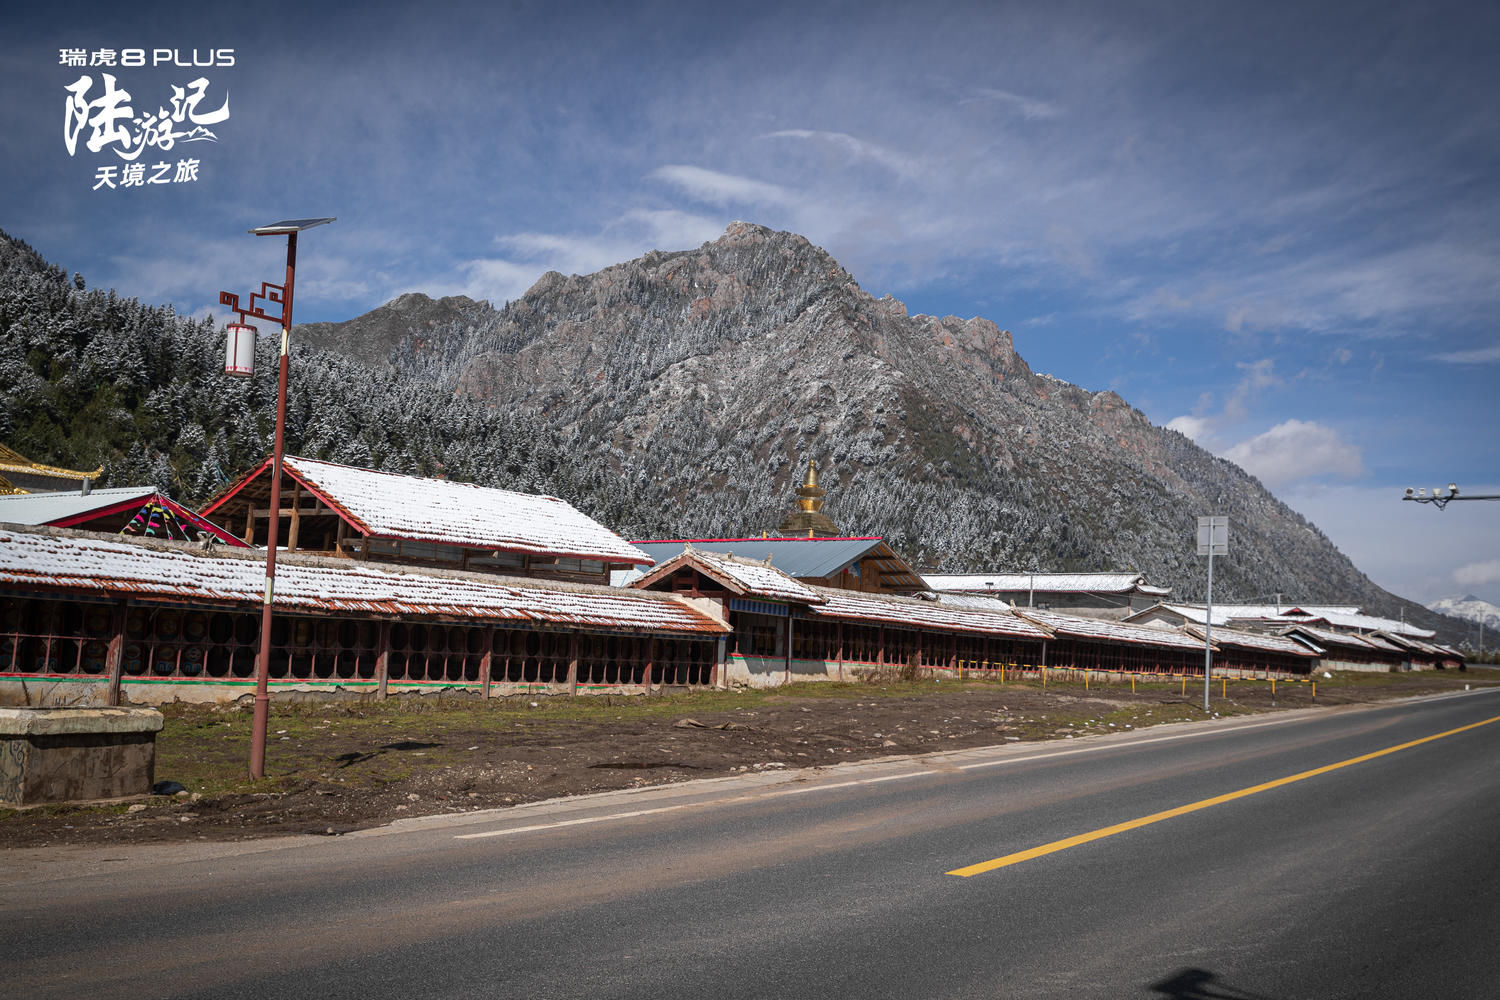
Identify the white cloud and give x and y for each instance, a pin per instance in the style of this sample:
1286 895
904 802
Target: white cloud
502 279
1479 573
722 189
1477 356
1198 428
898 163
1297 449
1031 108
1409 549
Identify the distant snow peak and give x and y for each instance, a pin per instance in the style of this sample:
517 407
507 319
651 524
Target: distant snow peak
1469 608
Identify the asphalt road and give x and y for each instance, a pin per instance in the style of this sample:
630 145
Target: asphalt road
1377 878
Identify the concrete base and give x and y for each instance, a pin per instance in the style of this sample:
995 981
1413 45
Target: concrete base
76 754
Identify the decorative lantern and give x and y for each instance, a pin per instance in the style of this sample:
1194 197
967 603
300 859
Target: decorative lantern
239 352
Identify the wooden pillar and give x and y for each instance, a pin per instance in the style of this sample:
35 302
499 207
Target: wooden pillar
383 660
880 645
114 656
573 663
650 662
291 535
838 637
789 637
250 524
486 660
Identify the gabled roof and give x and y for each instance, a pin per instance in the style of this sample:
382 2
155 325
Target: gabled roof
1256 640
802 558
1410 643
881 609
385 505
1339 615
1045 583
1369 623
1077 627
1345 640
56 560
738 576
69 510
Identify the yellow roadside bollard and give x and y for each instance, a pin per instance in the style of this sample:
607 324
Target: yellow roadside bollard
1315 690
1184 685
1223 687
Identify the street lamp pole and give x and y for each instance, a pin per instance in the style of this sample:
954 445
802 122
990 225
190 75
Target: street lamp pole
289 228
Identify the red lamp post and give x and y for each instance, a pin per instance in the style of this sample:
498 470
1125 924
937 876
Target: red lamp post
235 364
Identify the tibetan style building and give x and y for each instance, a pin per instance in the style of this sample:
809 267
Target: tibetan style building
1099 595
345 512
396 584
808 549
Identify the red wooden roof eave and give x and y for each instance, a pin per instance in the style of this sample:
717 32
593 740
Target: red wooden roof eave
672 565
288 470
707 569
176 508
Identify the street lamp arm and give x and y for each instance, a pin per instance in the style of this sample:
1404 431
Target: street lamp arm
1440 502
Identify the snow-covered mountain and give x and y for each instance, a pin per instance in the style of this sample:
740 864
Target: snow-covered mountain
1469 608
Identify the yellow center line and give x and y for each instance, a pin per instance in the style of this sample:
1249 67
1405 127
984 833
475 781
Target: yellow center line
1110 831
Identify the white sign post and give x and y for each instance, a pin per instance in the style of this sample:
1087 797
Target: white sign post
1213 540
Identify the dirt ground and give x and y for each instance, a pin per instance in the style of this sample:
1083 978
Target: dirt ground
333 767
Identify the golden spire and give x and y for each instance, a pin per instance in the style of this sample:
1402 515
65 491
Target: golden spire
809 518
810 497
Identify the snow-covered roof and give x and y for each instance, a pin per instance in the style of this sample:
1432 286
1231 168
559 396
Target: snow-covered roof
979 602
741 576
410 508
1086 583
1369 623
1108 631
1409 642
1254 640
852 605
1339 615
53 559
1348 640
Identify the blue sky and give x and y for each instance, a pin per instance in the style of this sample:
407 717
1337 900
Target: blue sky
1272 226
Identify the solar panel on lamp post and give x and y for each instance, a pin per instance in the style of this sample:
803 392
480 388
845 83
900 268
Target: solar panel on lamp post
282 294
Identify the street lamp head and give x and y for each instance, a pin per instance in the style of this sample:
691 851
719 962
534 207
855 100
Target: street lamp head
1410 492
1453 489
288 226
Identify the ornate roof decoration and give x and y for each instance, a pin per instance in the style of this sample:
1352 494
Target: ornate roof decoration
808 519
19 474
